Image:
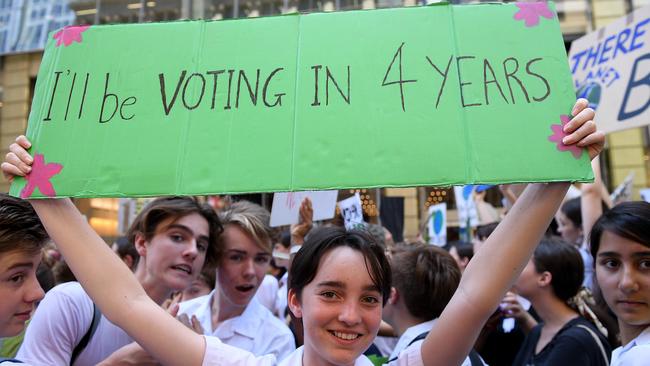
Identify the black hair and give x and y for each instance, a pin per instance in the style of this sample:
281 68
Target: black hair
126 247
571 209
20 227
629 220
484 231
564 263
322 240
463 248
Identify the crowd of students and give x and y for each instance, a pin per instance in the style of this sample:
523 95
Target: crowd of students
342 288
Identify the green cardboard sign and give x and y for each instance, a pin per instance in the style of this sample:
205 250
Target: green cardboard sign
437 95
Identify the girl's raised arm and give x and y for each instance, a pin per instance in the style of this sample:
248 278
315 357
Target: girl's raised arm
104 276
115 289
501 259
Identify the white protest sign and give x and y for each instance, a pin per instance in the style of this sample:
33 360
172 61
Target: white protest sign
352 212
286 206
466 206
611 68
438 224
645 194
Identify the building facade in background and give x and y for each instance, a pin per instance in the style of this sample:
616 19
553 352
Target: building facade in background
25 25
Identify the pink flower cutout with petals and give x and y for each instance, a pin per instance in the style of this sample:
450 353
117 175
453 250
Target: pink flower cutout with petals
40 177
530 12
559 134
70 34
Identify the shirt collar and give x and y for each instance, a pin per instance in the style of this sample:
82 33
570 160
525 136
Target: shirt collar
246 324
409 335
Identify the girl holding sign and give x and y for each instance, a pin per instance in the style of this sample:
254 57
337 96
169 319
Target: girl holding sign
339 298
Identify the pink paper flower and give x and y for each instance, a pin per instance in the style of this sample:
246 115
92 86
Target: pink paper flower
40 177
70 34
530 12
559 134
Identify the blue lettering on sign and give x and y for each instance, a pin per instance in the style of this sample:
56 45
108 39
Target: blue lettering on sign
627 40
638 32
635 82
605 75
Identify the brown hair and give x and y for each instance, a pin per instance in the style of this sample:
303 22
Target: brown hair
161 209
426 278
20 227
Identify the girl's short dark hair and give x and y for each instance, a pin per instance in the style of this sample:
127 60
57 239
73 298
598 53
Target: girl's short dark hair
629 220
564 263
20 227
161 209
426 277
571 209
322 240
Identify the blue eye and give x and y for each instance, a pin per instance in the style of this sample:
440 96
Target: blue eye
176 237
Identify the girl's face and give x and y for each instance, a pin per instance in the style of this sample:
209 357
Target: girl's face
623 273
175 254
567 229
528 281
19 290
340 309
242 268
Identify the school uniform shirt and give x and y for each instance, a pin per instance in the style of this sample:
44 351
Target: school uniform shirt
280 307
219 354
635 353
256 330
588 262
409 335
267 292
60 322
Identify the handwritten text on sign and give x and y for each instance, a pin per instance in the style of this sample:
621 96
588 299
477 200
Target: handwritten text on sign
390 97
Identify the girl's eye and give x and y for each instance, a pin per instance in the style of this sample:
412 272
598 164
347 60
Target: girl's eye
644 264
236 258
328 295
203 246
17 278
609 263
262 259
176 238
371 300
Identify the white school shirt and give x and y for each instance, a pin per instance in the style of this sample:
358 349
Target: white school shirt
267 292
256 330
635 353
60 321
281 298
409 335
219 354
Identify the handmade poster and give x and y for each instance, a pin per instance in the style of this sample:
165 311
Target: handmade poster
375 98
465 206
645 194
438 224
286 206
611 68
623 192
352 212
